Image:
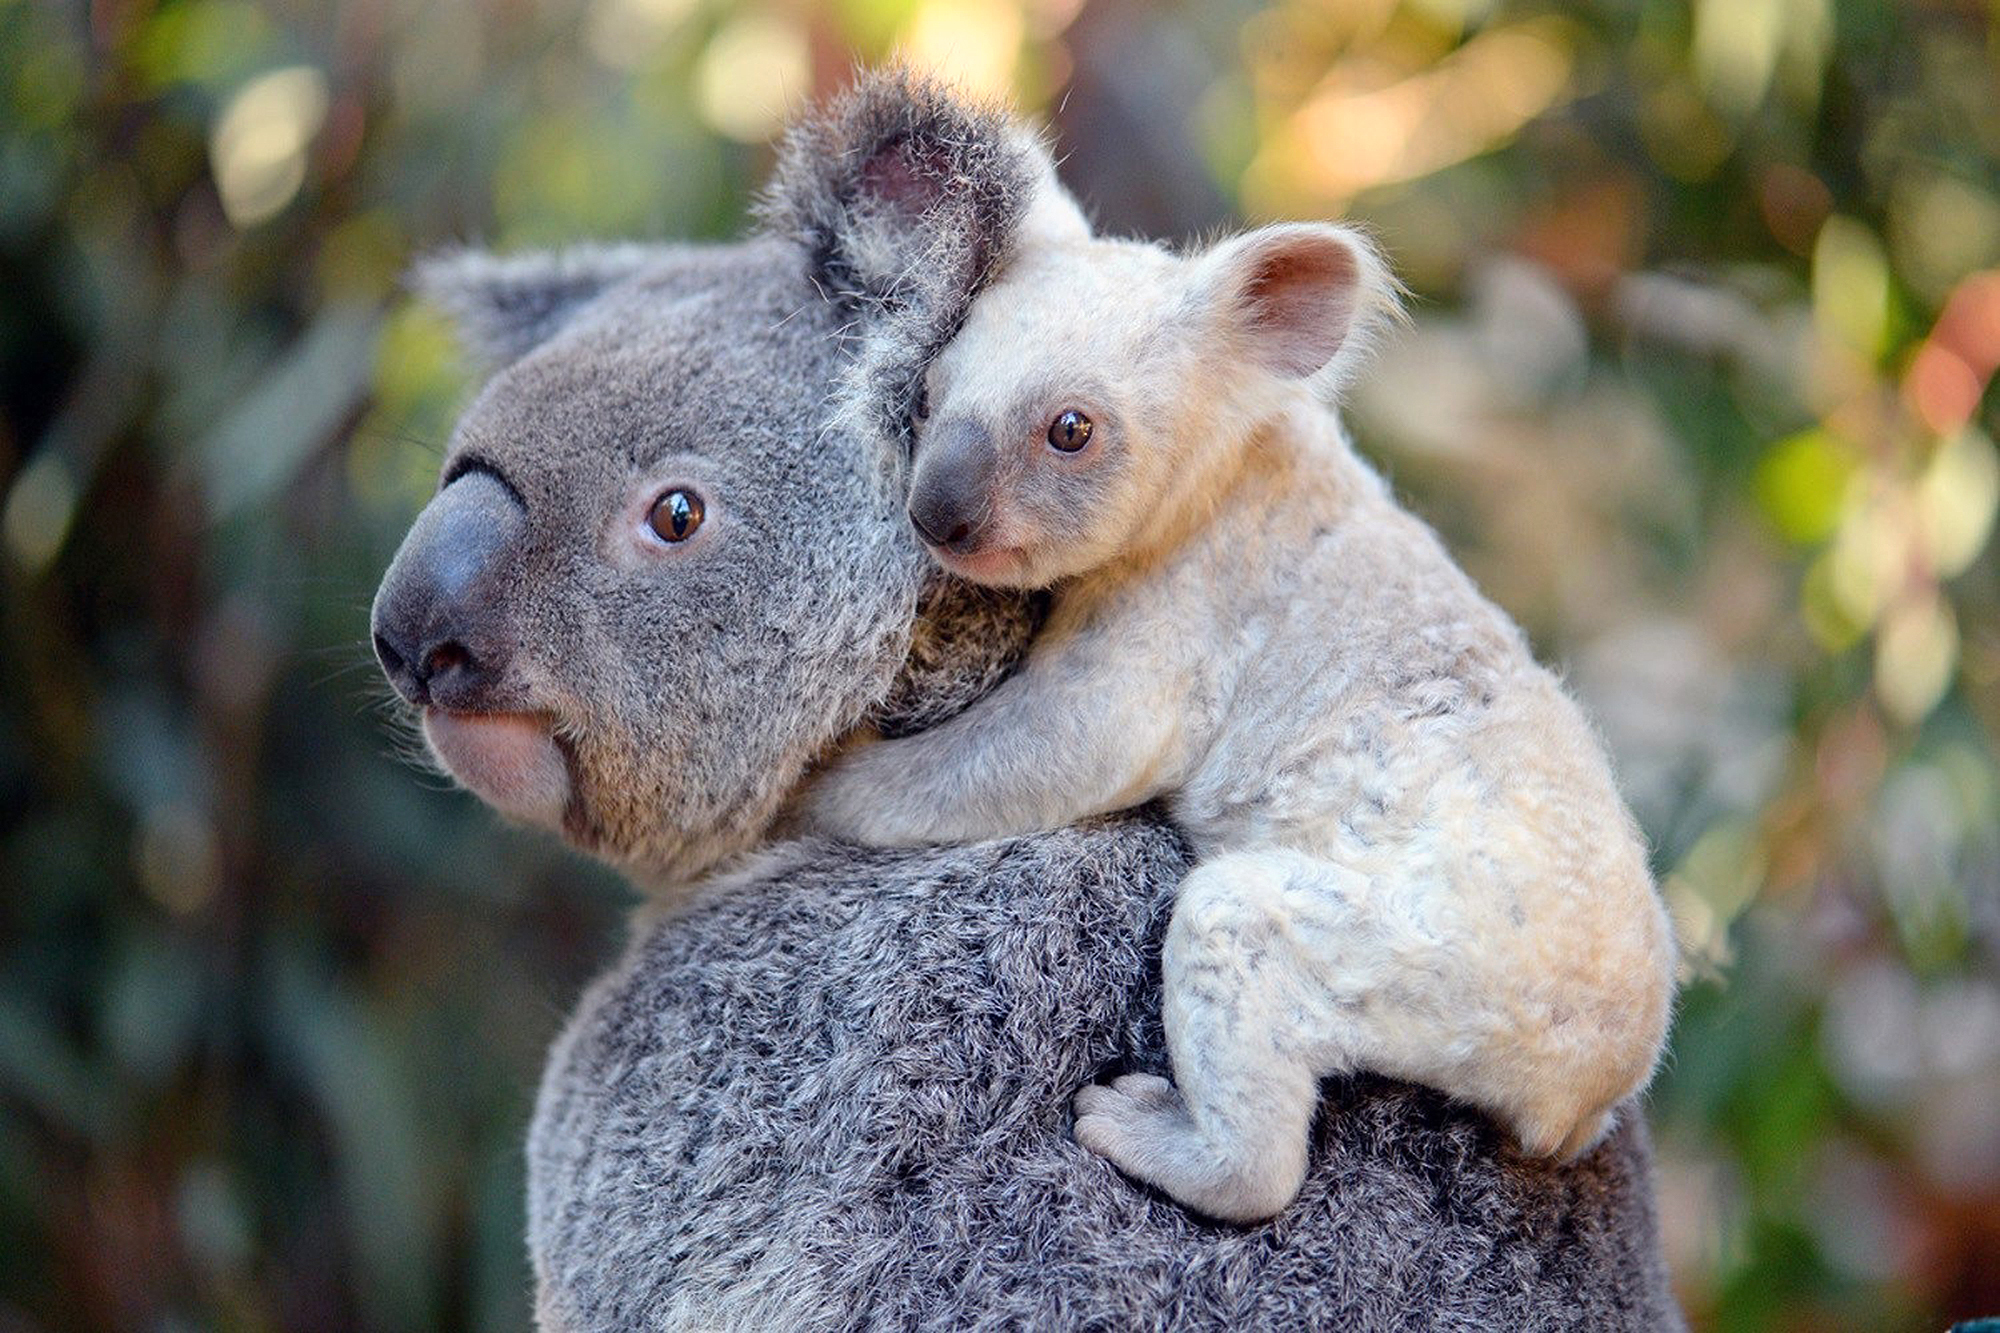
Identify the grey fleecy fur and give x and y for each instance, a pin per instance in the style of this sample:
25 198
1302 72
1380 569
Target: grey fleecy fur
828 1088
834 1095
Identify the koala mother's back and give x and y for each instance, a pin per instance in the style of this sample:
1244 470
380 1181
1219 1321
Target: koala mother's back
833 1094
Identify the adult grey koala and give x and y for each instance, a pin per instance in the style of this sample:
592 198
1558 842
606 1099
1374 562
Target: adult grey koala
827 1088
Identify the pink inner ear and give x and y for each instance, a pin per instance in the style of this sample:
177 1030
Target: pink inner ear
902 178
1300 295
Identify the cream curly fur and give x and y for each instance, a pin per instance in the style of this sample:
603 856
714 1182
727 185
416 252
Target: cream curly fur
1413 858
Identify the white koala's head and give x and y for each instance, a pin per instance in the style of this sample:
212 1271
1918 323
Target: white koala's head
1097 385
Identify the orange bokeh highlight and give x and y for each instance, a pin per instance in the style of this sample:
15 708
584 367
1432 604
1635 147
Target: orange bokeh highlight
1949 374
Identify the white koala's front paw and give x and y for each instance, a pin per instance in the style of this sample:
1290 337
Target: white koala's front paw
848 802
824 810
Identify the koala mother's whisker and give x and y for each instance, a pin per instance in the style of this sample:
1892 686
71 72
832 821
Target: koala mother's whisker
401 436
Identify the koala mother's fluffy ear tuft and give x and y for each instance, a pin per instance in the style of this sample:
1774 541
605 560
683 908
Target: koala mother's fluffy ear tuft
899 184
902 188
506 306
907 196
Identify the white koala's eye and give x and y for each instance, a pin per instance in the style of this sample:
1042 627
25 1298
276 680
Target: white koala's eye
920 407
676 515
1070 431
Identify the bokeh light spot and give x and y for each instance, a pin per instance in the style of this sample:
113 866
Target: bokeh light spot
1956 499
1850 286
1801 485
1358 132
40 506
1914 656
973 42
754 71
624 33
258 149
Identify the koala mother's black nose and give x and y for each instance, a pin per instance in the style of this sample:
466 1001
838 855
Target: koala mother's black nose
442 622
422 671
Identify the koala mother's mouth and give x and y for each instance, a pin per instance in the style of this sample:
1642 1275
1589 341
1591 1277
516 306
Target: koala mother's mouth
509 760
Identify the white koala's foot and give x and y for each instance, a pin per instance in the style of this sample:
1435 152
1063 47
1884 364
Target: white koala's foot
1567 1138
1141 1126
1558 1127
1127 1094
1588 1135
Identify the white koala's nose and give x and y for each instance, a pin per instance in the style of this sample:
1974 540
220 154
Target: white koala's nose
951 491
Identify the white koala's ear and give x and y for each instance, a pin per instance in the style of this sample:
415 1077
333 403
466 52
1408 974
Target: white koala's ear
1053 216
1302 300
506 306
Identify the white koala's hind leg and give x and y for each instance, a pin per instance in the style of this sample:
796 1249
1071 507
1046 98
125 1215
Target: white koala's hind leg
1281 968
1245 1032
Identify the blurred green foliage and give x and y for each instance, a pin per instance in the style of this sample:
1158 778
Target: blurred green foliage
1700 385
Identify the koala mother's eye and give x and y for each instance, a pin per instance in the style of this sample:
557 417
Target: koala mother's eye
676 515
1070 431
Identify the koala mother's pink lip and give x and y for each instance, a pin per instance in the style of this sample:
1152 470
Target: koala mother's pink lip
508 760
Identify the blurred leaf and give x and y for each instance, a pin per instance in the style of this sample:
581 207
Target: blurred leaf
1802 484
211 43
293 410
38 1065
350 1066
1957 497
152 1010
1851 287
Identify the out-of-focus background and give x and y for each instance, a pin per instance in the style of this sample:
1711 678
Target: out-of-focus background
1707 317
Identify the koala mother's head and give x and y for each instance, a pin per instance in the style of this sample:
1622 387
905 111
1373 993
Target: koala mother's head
667 563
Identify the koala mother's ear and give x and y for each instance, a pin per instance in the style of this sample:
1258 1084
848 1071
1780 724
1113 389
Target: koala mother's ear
506 306
1303 300
905 192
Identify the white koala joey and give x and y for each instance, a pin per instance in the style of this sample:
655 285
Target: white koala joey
1412 856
